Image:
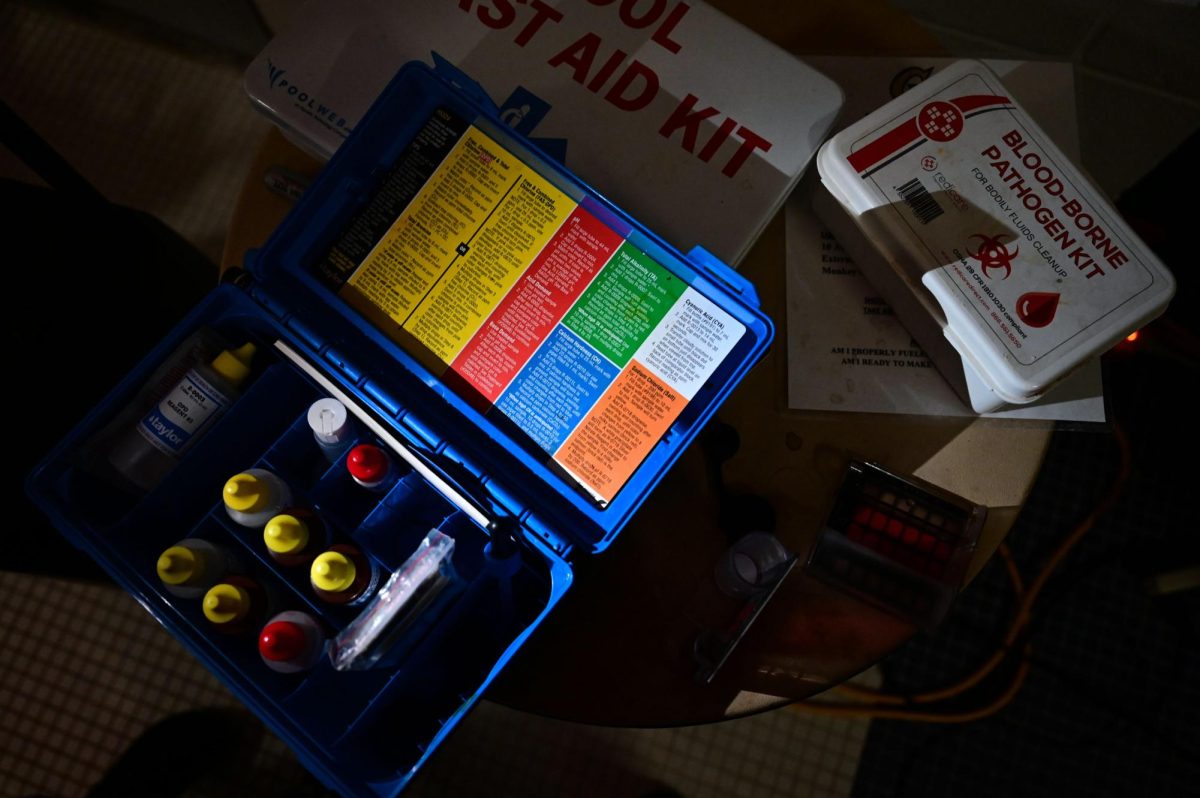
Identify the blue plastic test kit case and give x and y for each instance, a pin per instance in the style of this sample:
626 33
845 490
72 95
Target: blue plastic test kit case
366 732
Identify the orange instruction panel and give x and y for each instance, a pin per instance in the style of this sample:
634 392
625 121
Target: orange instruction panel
499 281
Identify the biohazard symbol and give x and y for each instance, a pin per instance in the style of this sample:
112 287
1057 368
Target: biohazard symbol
992 254
940 121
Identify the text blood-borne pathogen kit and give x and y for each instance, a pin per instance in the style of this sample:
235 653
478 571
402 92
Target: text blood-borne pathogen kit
978 229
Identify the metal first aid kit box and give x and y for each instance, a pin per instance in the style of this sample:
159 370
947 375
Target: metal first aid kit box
357 477
1004 261
695 124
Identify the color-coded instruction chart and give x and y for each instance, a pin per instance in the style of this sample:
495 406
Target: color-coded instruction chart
579 338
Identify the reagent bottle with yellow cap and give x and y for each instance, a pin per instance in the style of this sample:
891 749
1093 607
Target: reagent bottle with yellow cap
254 497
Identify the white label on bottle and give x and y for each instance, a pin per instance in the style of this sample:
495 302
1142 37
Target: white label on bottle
183 413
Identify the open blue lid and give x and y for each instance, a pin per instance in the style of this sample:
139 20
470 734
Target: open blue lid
508 319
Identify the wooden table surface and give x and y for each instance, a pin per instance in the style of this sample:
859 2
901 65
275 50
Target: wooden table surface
617 650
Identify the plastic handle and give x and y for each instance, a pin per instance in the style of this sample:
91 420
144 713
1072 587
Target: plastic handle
725 274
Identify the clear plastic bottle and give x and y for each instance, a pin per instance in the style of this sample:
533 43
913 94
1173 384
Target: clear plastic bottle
153 447
193 565
331 426
254 497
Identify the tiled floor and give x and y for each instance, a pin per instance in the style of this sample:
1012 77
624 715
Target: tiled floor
161 129
84 670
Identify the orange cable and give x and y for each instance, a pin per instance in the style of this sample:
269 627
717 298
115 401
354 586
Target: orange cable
998 656
890 713
885 702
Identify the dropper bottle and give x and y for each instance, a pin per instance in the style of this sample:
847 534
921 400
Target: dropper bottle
153 447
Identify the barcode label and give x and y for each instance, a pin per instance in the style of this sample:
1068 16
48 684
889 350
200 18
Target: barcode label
917 197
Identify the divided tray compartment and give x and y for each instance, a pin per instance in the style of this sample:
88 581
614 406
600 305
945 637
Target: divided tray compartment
342 713
233 654
102 504
343 500
81 490
456 660
394 528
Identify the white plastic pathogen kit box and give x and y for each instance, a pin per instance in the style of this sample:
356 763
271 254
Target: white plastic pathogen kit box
976 227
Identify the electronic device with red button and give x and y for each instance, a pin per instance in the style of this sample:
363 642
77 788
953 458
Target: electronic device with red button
898 543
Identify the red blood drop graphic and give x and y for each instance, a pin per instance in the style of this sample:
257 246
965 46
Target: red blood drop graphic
1037 308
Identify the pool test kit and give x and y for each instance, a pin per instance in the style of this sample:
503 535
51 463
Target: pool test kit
357 476
1003 260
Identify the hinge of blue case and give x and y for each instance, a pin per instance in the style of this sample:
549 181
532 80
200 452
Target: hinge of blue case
465 84
725 274
513 481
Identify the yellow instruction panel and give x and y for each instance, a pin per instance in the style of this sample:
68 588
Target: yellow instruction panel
461 244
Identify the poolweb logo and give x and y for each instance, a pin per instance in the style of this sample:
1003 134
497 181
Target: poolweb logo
278 81
274 73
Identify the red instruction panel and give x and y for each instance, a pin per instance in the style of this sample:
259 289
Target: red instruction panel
538 302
